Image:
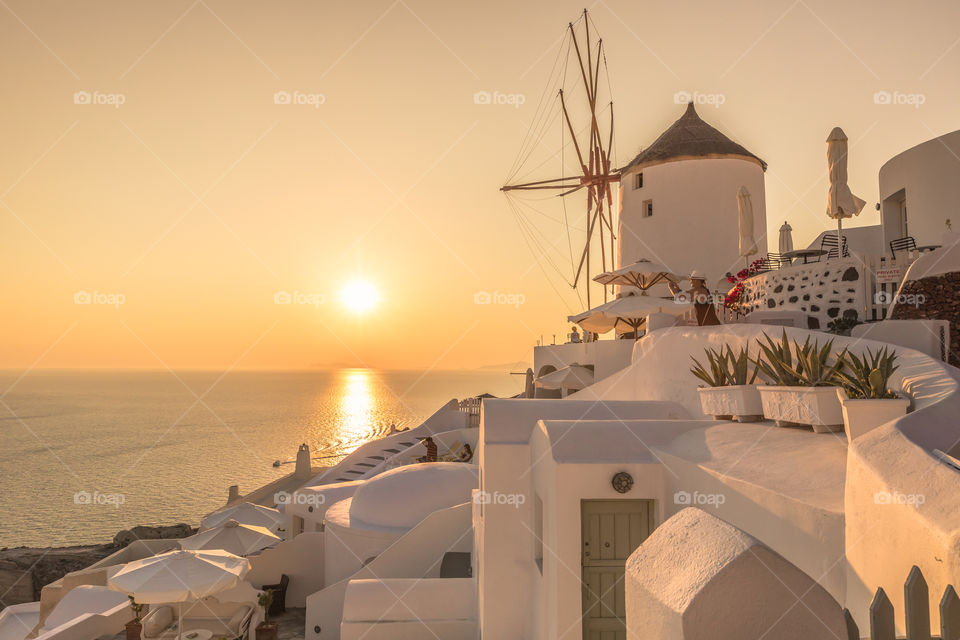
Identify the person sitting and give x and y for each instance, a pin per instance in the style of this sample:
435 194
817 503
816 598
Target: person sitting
431 450
700 296
466 454
574 335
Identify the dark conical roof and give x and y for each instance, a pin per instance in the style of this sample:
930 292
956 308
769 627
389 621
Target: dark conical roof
691 137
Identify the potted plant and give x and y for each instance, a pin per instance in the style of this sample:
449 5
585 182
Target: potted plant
865 397
135 626
803 393
730 392
266 630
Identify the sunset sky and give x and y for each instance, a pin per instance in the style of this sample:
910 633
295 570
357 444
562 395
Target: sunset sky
186 210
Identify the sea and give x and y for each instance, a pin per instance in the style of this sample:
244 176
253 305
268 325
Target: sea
85 454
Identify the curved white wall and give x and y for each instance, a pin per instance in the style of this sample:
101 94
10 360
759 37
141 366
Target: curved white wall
695 215
928 175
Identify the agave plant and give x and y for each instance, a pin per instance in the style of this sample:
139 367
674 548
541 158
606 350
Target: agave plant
775 362
868 377
716 375
813 366
737 366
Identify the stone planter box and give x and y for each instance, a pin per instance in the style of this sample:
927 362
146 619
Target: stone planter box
739 402
267 631
818 407
862 416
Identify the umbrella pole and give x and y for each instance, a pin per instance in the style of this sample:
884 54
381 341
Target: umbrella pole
839 237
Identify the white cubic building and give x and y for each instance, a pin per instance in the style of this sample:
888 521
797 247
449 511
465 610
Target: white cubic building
678 200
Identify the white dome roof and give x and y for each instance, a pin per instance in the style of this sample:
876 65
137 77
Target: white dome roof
402 497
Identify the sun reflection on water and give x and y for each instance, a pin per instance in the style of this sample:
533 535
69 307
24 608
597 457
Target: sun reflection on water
356 403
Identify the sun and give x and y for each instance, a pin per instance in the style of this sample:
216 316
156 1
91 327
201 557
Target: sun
359 296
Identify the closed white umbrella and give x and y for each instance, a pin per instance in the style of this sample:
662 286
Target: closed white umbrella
179 576
841 203
786 238
574 376
748 246
245 513
628 310
232 536
642 274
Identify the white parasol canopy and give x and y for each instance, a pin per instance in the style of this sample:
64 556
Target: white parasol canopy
233 537
642 274
574 376
245 513
786 238
628 310
841 203
748 246
178 576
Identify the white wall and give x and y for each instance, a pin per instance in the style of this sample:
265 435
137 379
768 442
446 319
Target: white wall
418 554
929 176
408 609
606 356
695 215
503 563
300 558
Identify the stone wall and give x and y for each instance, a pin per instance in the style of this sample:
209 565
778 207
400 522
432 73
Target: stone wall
825 290
933 298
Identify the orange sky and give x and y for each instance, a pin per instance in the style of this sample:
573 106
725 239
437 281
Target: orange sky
199 198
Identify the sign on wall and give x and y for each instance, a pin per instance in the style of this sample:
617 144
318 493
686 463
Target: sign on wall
889 274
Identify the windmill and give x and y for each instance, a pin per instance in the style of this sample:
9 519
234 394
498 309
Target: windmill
593 156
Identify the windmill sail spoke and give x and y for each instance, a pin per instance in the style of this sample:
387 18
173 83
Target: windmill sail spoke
594 152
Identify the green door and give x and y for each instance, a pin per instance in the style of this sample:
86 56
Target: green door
610 531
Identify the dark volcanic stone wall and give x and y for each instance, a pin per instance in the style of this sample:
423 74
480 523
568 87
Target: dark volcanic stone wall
825 290
933 298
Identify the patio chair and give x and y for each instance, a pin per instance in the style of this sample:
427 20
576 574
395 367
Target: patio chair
829 244
279 604
906 243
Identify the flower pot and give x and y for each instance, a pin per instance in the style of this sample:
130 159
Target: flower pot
267 631
134 630
818 407
740 402
861 416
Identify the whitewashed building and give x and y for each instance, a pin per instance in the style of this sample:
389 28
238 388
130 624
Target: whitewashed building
920 191
678 200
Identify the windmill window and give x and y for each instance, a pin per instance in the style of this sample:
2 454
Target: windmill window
647 208
638 181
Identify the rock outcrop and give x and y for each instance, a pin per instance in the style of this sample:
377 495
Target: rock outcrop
933 298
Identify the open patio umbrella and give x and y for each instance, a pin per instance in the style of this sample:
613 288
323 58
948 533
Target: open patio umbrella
786 238
574 376
245 513
233 537
642 274
841 203
178 576
630 311
748 246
